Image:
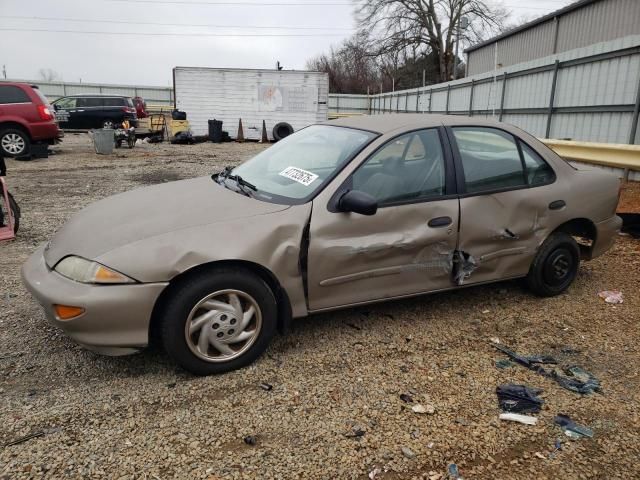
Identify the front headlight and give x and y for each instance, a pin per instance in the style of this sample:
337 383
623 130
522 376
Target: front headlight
86 271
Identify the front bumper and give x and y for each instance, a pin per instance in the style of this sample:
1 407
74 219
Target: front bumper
606 234
116 317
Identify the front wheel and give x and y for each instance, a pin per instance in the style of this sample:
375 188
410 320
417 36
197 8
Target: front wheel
555 266
218 320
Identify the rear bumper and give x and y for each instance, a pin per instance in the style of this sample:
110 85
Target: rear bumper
47 131
606 234
116 318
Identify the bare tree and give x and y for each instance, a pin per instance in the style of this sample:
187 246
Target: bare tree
428 27
351 67
48 75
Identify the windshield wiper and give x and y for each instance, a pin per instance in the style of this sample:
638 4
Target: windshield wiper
243 186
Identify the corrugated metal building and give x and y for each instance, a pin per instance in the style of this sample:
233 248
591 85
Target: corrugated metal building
580 24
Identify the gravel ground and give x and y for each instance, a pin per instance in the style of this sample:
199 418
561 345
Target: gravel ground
335 409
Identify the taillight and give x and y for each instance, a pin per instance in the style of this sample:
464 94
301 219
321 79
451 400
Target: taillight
44 112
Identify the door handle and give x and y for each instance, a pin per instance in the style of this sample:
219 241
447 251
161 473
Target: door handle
440 222
557 205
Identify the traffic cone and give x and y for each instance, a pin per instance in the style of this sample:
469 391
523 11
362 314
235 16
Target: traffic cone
240 136
265 138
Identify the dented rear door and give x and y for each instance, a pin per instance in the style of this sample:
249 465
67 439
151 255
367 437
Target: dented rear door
406 247
506 193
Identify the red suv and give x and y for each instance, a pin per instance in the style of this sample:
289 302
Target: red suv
25 118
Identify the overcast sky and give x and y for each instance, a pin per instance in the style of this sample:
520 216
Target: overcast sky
263 32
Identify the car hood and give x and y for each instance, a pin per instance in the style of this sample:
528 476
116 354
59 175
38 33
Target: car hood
150 211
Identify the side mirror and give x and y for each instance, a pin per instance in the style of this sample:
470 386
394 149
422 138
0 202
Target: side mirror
358 202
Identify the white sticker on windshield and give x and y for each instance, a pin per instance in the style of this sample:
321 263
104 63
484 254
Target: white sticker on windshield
298 175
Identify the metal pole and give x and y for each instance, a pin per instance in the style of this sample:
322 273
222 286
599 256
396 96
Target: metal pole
504 90
417 100
446 111
552 97
471 98
455 58
393 84
636 114
495 79
430 96
406 102
424 78
337 104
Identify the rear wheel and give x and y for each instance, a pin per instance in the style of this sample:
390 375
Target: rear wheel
14 142
555 266
107 123
218 320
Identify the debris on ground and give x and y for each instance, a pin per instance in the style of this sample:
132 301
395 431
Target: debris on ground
406 398
454 473
576 379
250 440
519 398
503 364
26 438
556 448
572 378
572 429
266 386
611 296
428 409
373 474
356 432
407 452
516 417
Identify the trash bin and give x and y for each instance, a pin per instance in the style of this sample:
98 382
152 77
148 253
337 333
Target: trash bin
103 140
215 131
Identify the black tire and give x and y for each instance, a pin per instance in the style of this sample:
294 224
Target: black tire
189 293
8 139
118 143
281 130
15 211
555 265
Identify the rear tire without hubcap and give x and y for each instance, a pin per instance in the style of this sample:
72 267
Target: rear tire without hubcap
14 143
217 321
555 266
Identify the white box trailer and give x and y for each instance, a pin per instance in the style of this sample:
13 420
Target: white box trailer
298 98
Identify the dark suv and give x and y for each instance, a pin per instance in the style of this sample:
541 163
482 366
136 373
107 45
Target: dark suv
94 111
25 118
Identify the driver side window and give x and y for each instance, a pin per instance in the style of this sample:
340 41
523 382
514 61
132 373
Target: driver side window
408 168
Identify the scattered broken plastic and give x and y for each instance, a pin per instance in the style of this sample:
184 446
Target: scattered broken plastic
516 417
373 474
519 398
572 378
611 296
429 409
503 364
454 473
572 429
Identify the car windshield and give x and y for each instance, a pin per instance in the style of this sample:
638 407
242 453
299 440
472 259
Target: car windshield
295 168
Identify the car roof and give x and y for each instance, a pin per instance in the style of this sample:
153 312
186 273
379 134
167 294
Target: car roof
100 95
390 122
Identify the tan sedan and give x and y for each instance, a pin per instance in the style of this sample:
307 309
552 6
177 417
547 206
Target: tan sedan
344 213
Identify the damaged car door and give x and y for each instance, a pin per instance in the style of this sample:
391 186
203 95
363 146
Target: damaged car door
507 194
406 246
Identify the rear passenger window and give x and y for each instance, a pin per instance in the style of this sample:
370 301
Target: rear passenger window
538 171
114 102
490 159
13 94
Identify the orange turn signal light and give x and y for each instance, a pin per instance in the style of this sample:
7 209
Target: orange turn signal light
67 312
